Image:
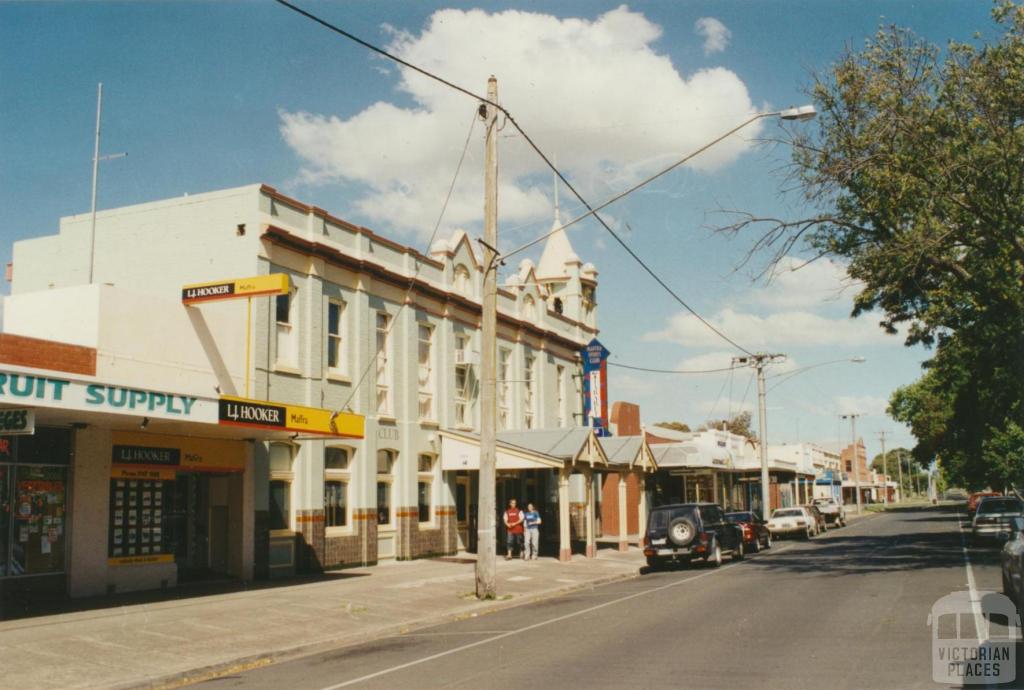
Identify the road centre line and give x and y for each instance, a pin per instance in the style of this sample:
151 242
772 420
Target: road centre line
541 624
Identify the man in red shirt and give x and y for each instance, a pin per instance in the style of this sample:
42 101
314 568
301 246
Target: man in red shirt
514 526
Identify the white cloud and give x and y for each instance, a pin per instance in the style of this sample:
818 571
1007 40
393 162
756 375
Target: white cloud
595 93
798 284
778 330
716 35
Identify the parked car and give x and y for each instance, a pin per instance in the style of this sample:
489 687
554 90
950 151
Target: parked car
972 500
955 495
756 534
994 517
1012 561
792 521
820 523
834 512
681 532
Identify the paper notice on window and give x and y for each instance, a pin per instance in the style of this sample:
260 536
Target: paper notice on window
23 534
44 545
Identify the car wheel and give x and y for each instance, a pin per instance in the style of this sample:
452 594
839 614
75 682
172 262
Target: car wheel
768 541
755 547
655 563
740 551
715 557
808 534
681 531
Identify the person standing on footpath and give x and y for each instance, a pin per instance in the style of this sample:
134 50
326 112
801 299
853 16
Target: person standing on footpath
531 518
514 526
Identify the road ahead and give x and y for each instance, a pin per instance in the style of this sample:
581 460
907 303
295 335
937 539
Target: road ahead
846 610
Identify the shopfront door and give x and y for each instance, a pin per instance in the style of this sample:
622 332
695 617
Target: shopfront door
198 525
5 516
462 504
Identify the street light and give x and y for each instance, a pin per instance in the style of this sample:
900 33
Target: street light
485 564
856 457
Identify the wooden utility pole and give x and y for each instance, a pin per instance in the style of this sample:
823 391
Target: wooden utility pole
487 517
899 463
885 469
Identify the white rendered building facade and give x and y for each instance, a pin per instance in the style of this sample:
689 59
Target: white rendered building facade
369 326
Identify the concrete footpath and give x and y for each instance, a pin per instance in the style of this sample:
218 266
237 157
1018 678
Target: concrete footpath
165 643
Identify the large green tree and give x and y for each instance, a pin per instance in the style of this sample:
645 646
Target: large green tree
915 172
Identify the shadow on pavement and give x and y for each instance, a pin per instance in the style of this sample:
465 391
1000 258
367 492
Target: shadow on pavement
28 604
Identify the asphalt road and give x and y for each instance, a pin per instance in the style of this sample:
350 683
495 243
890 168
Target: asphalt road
848 609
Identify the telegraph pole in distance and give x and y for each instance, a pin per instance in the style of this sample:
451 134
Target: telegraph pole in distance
486 538
759 361
899 464
885 469
856 456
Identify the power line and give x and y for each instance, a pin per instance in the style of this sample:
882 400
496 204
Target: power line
670 371
412 281
509 118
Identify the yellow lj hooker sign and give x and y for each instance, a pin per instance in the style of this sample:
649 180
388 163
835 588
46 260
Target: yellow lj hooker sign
280 416
273 284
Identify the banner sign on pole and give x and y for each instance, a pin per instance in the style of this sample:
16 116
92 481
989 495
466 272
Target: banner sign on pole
595 387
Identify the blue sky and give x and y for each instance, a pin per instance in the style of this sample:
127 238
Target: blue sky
207 95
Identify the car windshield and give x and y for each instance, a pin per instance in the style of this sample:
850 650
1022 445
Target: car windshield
1000 505
788 512
739 517
662 516
822 501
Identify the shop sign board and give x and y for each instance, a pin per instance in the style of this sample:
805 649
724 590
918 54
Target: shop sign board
48 391
261 414
273 284
17 422
133 449
595 387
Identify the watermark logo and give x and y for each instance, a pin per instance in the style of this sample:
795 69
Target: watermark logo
974 639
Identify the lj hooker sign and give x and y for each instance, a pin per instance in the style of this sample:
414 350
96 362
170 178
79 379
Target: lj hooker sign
273 284
280 416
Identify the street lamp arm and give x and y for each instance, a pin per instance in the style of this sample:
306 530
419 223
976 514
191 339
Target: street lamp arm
664 171
786 376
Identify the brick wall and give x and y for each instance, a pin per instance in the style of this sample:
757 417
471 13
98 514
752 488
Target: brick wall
47 354
318 551
417 541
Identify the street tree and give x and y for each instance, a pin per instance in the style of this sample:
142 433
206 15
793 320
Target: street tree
915 181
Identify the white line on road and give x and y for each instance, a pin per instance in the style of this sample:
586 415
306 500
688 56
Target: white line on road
534 626
979 621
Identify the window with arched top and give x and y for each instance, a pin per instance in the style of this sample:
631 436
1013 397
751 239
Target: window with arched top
461 282
385 466
529 308
558 306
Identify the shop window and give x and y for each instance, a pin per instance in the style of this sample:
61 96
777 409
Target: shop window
425 377
285 313
424 485
335 352
529 390
282 456
463 370
336 503
337 461
34 489
280 504
423 500
504 388
385 465
383 344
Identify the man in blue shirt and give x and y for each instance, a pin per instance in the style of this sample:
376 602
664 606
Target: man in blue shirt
532 520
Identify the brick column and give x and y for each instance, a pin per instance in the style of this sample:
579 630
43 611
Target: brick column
311 532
